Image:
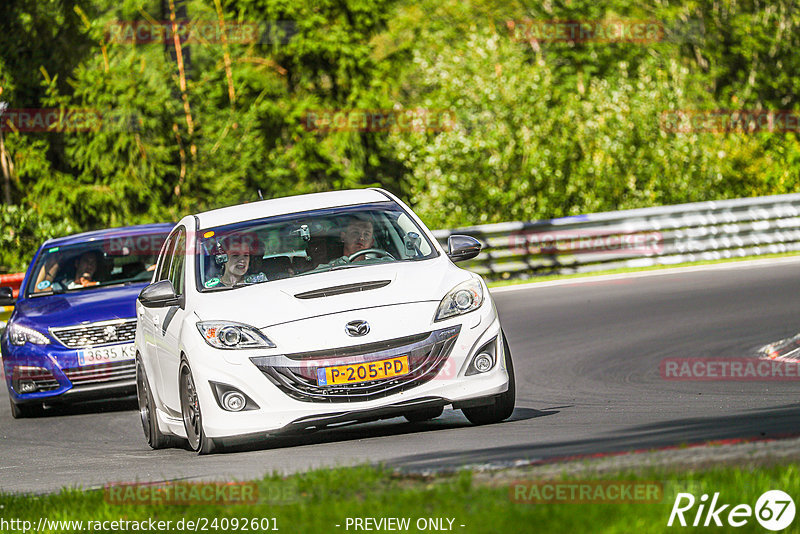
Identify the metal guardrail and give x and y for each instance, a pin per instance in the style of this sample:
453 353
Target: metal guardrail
643 237
662 235
13 281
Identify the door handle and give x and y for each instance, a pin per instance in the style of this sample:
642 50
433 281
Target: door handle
155 320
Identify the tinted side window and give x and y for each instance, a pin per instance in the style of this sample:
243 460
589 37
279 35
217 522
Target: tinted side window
178 261
166 259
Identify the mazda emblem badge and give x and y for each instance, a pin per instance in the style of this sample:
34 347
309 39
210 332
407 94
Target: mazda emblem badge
357 328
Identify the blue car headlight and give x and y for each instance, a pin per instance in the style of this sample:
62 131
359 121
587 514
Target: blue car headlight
19 335
232 335
464 298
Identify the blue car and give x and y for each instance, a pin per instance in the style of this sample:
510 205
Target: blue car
70 336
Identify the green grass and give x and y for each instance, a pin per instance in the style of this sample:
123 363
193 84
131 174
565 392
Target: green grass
545 278
319 500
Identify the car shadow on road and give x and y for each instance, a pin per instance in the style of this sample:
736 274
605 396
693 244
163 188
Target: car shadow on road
122 404
758 424
450 419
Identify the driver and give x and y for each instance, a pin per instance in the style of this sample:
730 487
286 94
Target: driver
85 269
357 235
51 276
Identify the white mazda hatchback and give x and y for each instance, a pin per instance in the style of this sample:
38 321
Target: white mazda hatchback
300 313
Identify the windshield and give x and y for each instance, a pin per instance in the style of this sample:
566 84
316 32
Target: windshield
306 243
94 264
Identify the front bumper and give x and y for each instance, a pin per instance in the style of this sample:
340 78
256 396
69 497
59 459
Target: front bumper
287 406
51 373
296 374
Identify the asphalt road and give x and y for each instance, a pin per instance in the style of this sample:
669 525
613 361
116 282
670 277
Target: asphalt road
587 358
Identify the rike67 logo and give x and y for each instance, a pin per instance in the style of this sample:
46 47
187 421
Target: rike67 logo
774 510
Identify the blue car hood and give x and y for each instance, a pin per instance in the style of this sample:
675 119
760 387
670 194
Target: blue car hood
69 309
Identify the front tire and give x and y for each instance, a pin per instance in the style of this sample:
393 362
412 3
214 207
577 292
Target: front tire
155 438
190 410
503 405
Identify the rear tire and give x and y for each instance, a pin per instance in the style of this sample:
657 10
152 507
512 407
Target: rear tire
503 405
190 410
425 414
21 411
155 438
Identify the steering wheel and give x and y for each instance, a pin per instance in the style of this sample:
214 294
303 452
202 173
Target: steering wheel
380 251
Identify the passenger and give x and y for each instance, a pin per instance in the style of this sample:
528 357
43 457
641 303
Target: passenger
317 251
47 274
238 250
236 268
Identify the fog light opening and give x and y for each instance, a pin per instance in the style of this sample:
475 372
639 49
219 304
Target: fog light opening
233 401
25 378
27 386
483 362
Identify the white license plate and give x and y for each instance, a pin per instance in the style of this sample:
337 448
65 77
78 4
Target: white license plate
114 353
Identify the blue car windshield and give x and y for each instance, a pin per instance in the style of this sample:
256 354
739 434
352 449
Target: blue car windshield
306 243
98 263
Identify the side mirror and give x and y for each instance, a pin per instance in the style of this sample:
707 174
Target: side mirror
463 247
160 295
7 296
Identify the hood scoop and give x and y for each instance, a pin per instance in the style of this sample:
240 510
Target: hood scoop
340 290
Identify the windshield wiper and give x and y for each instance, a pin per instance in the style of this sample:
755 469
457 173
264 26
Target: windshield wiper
347 266
221 287
47 293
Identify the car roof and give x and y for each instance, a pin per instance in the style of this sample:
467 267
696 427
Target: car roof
282 206
97 235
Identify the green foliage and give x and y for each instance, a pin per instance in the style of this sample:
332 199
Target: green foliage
542 129
24 229
34 34
318 500
550 129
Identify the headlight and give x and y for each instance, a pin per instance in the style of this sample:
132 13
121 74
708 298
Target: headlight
19 335
230 335
463 298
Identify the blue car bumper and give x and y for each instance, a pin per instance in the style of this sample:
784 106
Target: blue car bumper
52 373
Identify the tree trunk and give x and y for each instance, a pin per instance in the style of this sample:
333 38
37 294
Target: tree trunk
5 163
